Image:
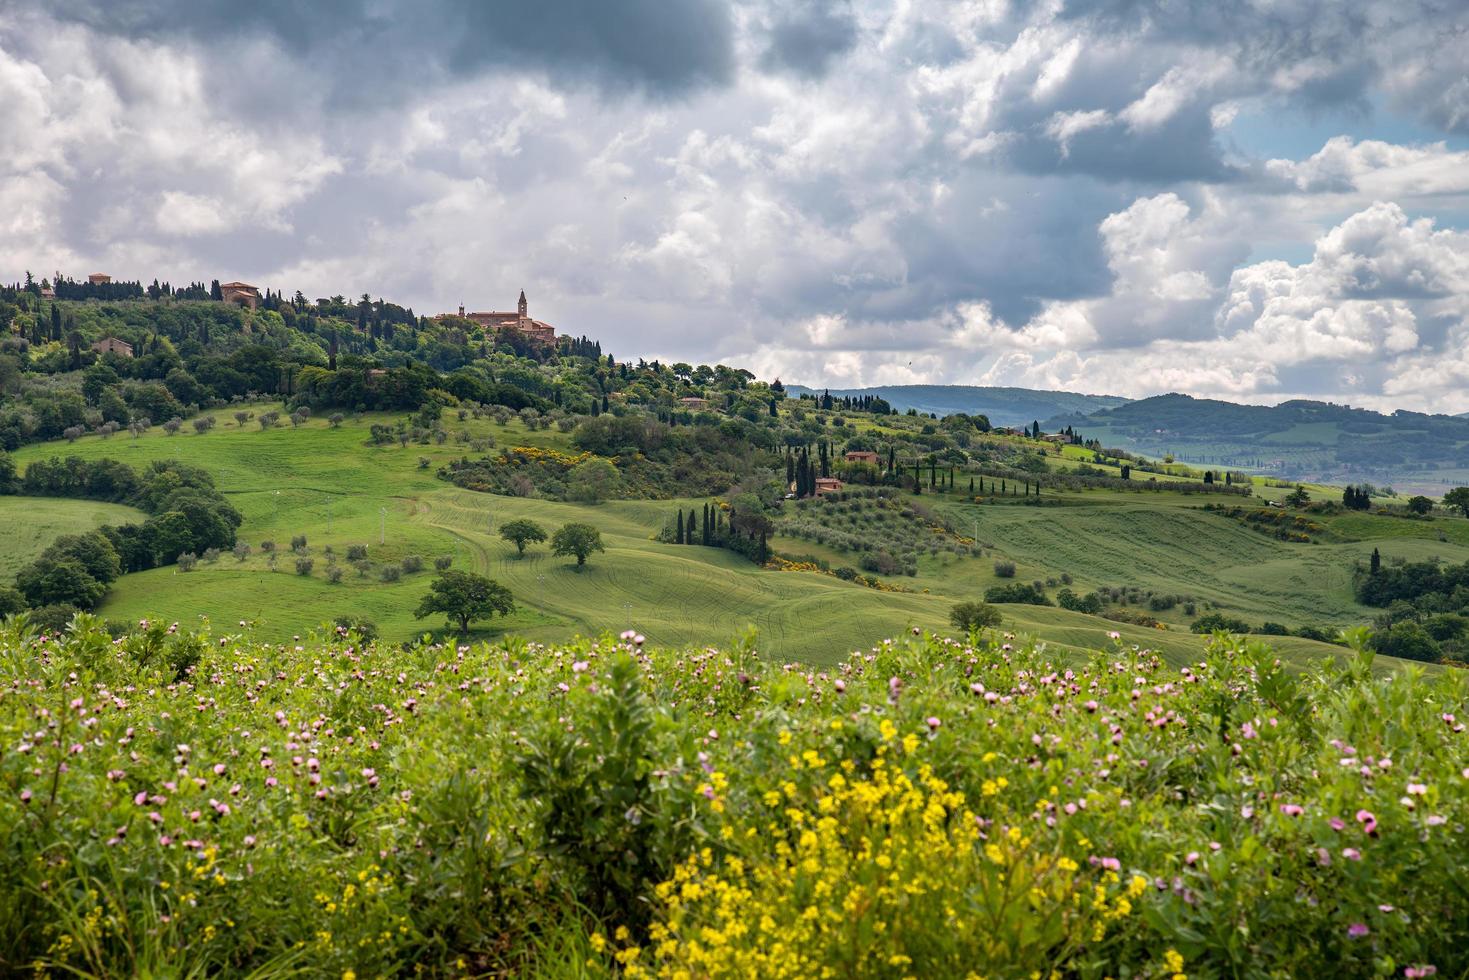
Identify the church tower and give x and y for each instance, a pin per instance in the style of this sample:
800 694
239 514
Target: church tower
522 306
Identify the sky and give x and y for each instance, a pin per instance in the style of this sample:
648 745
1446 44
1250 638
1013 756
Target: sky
1246 199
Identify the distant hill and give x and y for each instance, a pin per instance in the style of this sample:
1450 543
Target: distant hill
1305 440
1003 406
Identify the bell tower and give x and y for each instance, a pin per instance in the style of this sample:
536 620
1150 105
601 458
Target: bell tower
522 306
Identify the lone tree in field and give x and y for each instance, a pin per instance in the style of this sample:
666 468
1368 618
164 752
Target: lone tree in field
465 597
522 533
1420 504
577 539
1458 498
1299 497
974 616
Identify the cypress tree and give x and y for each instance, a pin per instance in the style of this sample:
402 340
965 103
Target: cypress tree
680 526
1376 563
971 484
690 527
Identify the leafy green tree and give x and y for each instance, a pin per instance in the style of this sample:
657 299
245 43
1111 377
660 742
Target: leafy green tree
11 601
522 533
1407 641
1298 497
576 539
1458 498
464 597
593 480
1420 504
45 583
969 616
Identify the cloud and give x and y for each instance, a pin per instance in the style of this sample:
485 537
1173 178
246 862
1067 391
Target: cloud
839 191
808 38
372 52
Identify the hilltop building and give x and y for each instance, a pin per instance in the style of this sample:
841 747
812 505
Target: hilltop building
862 456
99 278
240 292
111 345
520 320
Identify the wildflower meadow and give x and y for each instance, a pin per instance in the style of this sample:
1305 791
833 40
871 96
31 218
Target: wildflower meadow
180 804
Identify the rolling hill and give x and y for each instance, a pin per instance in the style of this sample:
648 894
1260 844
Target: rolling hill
1298 440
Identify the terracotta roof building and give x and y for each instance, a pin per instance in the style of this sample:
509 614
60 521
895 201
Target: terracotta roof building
520 321
827 484
240 292
862 456
99 278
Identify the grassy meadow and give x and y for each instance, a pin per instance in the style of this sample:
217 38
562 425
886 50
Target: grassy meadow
29 524
329 484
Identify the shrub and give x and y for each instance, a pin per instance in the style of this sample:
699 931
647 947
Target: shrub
391 573
442 562
1004 569
1017 592
411 564
1214 622
304 566
365 628
880 562
969 616
187 561
298 542
241 551
334 574
267 546
356 552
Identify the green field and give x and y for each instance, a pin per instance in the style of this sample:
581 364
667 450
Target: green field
29 524
332 486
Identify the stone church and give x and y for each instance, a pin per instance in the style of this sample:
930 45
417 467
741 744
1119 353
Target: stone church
519 320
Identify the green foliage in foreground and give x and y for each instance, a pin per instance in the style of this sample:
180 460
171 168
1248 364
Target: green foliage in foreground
185 805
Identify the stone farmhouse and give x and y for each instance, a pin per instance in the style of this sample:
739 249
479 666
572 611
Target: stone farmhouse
520 321
111 345
862 456
240 292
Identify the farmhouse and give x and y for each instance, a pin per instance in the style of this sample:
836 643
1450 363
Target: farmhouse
240 292
862 456
827 484
111 345
520 321
694 402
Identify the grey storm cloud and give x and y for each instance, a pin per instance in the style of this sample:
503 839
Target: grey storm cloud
1326 52
831 190
807 40
364 50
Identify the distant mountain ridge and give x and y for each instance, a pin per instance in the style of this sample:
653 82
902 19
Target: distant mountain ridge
1003 406
1297 439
